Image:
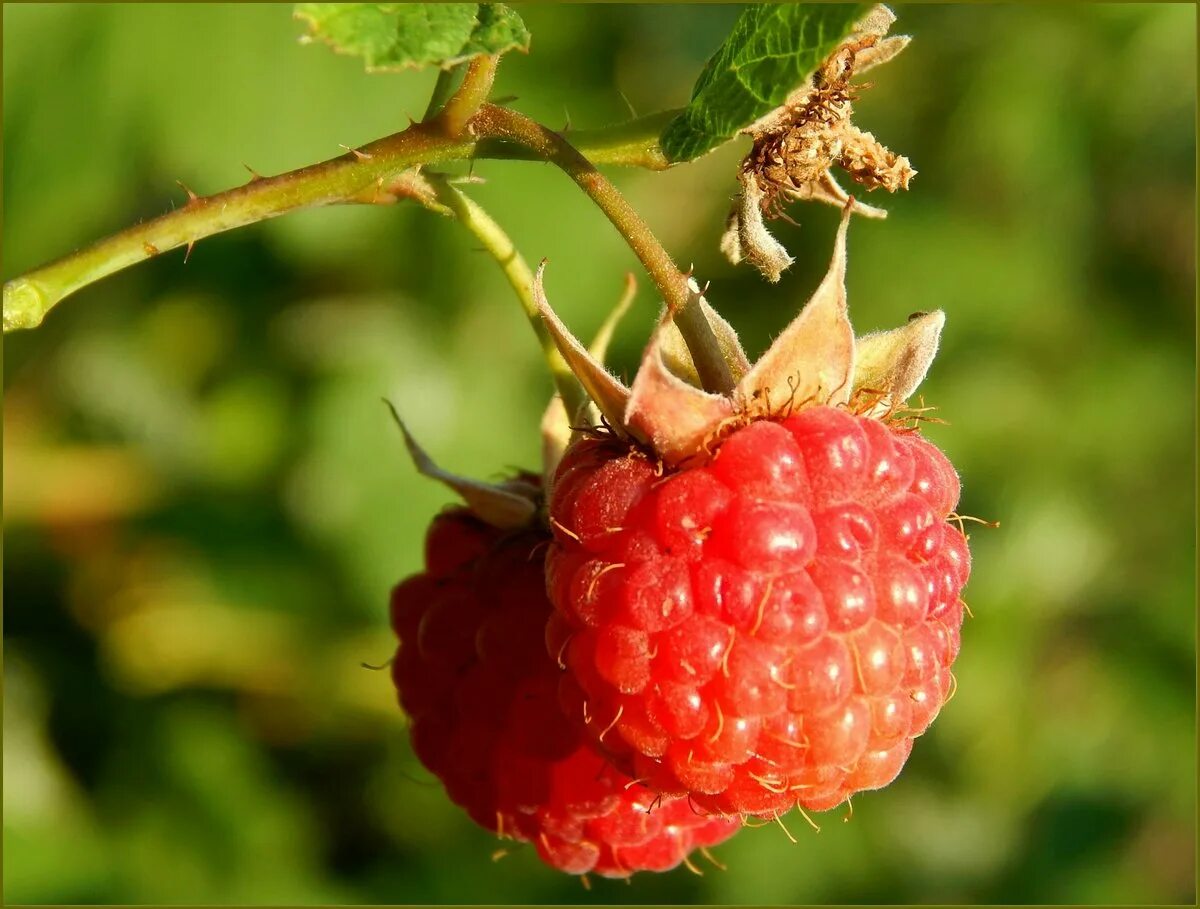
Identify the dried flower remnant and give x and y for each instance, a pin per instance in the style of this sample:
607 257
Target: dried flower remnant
747 237
797 146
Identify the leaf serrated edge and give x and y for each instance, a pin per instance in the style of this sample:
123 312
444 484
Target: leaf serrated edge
314 34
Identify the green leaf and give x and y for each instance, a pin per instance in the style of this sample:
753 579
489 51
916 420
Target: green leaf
395 36
772 50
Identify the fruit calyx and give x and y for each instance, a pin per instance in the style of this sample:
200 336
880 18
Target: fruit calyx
816 360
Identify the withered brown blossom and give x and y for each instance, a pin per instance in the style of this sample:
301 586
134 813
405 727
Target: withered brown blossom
797 146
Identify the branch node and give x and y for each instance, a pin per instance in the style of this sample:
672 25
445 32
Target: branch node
455 117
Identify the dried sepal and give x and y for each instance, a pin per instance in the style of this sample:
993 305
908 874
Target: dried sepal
826 189
879 53
894 363
731 240
672 416
507 506
812 361
609 395
757 245
874 24
678 358
872 164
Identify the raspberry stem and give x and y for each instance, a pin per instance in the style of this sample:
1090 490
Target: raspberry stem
702 343
349 177
356 176
471 94
466 127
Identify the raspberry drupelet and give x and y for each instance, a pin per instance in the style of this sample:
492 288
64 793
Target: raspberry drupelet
473 675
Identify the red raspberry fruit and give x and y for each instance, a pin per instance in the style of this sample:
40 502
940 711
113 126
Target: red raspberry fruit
473 674
770 626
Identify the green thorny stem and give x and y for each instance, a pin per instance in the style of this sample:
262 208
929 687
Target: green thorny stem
466 127
363 175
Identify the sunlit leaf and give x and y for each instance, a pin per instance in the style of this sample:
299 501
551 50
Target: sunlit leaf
394 36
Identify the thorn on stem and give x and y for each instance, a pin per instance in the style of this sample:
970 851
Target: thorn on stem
254 175
192 197
628 103
361 155
188 252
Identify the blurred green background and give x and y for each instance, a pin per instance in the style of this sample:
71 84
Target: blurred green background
206 503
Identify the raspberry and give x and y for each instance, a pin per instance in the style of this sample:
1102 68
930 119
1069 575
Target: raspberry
482 696
769 626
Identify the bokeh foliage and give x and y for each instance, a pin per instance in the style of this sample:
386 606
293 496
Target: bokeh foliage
206 503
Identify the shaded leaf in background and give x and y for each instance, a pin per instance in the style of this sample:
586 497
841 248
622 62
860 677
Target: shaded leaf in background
395 36
771 51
